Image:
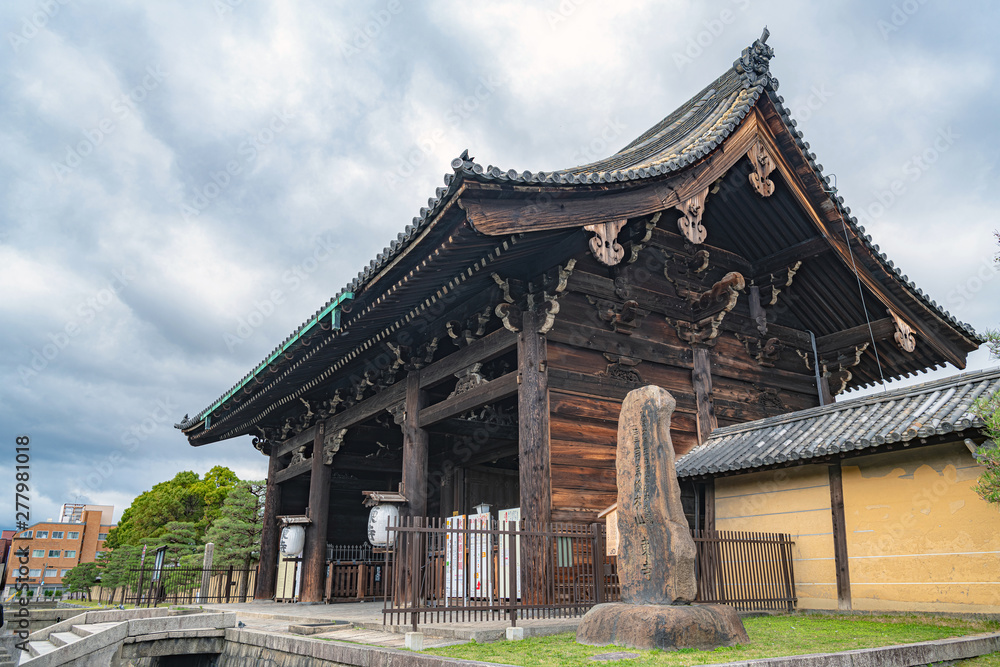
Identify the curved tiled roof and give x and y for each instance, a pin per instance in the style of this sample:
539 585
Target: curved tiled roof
921 411
678 141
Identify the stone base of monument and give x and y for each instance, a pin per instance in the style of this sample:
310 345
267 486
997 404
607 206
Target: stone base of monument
701 626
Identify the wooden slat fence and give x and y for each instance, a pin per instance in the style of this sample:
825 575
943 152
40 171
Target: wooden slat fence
470 573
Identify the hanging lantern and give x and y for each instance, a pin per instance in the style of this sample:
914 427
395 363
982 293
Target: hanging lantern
293 540
378 520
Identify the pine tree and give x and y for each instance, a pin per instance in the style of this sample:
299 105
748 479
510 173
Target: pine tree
236 533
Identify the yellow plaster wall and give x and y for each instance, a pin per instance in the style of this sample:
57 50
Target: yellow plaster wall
794 501
918 536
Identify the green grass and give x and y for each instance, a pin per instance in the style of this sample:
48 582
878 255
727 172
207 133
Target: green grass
991 660
770 637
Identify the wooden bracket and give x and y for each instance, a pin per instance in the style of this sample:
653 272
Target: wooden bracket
690 221
622 368
772 284
331 445
471 330
904 333
300 456
726 290
604 243
763 165
539 298
468 379
623 318
684 267
834 366
637 245
766 352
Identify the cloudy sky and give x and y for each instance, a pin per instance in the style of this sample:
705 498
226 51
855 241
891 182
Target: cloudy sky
184 183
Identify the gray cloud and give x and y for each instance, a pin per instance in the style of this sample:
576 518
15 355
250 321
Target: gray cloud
162 117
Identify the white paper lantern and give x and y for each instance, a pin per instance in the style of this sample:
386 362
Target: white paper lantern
293 540
378 520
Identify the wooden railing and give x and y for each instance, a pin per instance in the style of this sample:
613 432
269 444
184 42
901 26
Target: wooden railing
471 573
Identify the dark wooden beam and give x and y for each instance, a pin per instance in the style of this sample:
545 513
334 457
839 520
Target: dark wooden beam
466 427
314 555
494 390
292 471
270 534
367 464
288 446
859 335
802 251
710 504
414 486
840 538
701 378
368 408
485 349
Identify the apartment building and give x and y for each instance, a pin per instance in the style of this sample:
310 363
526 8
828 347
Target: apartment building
54 548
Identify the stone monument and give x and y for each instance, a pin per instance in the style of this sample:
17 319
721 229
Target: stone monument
656 553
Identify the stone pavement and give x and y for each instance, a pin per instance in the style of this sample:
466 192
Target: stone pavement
366 622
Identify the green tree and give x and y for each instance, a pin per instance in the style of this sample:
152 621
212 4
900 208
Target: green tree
236 533
182 542
186 498
81 578
988 409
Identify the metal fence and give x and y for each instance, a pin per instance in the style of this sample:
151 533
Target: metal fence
146 586
483 571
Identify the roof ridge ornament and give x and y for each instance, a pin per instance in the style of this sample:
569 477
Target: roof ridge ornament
754 63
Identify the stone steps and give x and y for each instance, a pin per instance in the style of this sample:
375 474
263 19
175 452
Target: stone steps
58 639
36 649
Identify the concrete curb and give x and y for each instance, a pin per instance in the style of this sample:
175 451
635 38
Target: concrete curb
901 655
481 636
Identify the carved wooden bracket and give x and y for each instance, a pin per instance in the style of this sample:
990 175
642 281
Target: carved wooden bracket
469 378
727 291
622 368
472 330
621 317
413 359
604 243
904 333
332 443
763 165
678 266
541 297
703 332
772 284
398 412
766 352
641 242
834 366
690 221
300 456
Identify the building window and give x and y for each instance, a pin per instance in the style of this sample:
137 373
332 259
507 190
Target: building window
54 553
57 534
102 536
34 573
38 553
64 573
42 535
26 534
73 535
51 573
69 553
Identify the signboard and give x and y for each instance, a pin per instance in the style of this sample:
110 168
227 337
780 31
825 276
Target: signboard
454 558
611 544
481 556
507 517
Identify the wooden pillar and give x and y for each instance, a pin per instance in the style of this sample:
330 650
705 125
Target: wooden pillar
824 390
840 538
414 448
701 378
270 534
534 467
710 504
314 556
533 422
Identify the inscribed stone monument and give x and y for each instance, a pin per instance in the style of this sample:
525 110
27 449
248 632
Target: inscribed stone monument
656 554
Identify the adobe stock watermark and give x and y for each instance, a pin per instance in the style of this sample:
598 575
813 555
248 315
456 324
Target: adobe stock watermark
365 34
248 151
131 437
900 15
35 22
965 291
711 30
292 279
562 13
912 171
121 109
486 87
86 312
